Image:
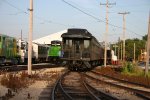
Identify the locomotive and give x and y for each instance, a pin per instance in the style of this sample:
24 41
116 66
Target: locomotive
13 51
54 52
8 50
81 50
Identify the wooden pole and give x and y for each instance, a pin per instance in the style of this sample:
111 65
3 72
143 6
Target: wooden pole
148 49
30 38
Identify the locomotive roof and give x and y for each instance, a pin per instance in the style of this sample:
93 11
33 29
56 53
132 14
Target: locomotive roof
55 41
38 44
77 33
3 35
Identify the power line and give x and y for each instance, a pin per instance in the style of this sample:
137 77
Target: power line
81 10
52 22
37 17
98 18
14 6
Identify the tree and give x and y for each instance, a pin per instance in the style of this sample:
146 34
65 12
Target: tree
139 45
144 37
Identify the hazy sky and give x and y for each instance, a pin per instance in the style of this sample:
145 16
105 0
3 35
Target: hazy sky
52 16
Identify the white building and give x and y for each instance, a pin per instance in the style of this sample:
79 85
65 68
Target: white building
49 38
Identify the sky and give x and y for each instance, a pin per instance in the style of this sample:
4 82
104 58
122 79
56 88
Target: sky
51 16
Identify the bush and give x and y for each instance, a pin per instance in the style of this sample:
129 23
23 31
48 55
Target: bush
132 69
14 81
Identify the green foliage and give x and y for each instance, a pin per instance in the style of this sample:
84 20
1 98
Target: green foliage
129 47
139 45
144 37
132 69
127 67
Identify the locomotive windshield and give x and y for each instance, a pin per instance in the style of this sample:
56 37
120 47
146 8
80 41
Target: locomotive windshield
55 42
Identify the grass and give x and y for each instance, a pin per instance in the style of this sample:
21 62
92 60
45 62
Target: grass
133 69
129 73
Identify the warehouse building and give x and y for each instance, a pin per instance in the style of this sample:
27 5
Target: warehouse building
49 38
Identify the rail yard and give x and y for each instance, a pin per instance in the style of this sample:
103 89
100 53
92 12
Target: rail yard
106 58
58 83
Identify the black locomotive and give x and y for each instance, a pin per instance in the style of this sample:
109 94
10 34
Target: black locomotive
81 50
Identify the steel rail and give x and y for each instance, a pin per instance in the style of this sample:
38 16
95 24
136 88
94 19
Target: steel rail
121 80
90 92
100 93
59 86
54 90
140 93
67 96
14 68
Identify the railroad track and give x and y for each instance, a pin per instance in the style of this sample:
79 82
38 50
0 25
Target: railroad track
134 89
72 86
24 67
69 87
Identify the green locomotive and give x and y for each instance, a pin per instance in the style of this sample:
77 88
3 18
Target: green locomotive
8 50
54 52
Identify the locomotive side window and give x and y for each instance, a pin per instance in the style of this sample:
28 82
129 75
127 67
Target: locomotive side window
86 44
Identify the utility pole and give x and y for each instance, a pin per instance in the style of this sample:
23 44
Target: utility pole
30 38
21 34
118 52
134 53
115 49
148 48
121 50
124 29
106 34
